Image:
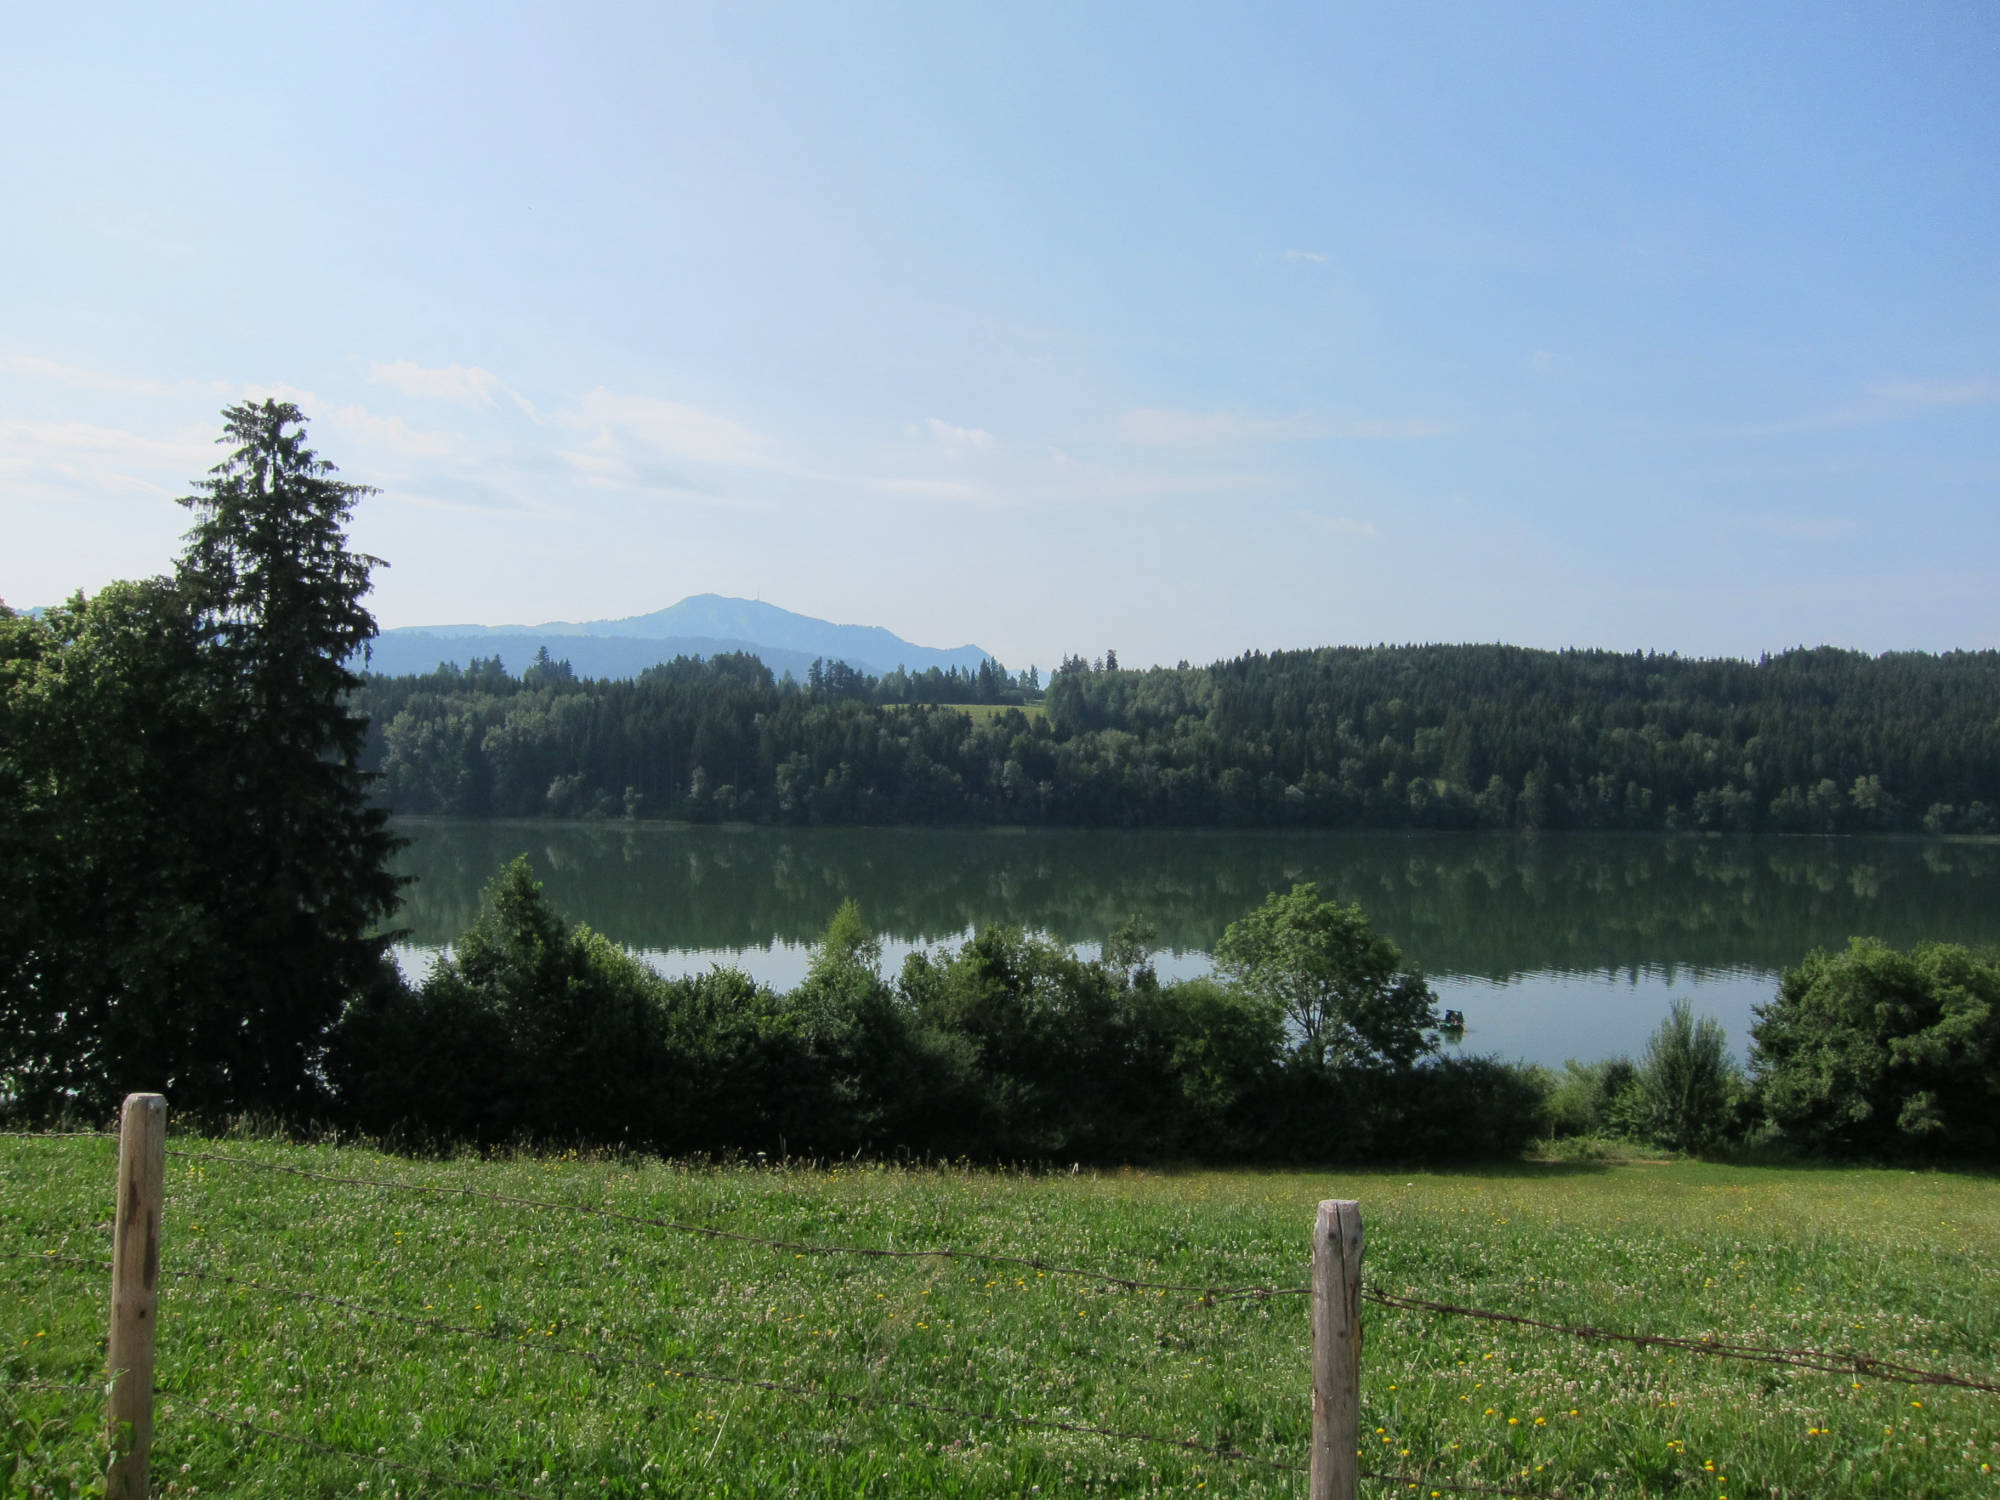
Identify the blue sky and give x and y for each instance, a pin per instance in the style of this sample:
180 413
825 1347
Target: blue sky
1179 330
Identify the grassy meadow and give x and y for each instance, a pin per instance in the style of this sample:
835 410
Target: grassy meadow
550 1353
980 713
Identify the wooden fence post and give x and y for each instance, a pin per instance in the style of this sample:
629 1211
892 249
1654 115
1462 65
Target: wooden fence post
135 1282
1336 1326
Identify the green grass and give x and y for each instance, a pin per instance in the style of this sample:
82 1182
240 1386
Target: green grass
1900 1265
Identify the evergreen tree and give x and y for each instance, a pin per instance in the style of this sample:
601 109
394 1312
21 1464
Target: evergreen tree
296 878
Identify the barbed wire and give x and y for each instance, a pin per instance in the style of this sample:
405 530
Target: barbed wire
58 1135
1230 1454
1835 1362
805 1392
1826 1361
95 1386
1206 1292
1831 1362
379 1459
692 1372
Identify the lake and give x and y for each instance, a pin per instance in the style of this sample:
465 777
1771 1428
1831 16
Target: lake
1554 945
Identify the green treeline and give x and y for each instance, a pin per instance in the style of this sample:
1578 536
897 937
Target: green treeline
1445 737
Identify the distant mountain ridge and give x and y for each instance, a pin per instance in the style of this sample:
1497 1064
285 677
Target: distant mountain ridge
701 625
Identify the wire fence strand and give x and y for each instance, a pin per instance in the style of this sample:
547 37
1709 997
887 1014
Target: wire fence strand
1836 1362
95 1387
692 1372
1832 1362
1843 1362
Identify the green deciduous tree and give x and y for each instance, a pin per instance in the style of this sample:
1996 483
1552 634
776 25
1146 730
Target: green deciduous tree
105 732
1881 1051
1343 988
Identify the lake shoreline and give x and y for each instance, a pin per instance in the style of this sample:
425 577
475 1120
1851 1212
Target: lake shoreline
1555 944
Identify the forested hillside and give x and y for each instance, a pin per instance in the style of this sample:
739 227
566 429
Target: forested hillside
1419 736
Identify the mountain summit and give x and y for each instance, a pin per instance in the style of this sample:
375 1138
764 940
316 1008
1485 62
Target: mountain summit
701 625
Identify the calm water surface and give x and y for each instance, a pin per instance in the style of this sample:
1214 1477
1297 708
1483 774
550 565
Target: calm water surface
1554 946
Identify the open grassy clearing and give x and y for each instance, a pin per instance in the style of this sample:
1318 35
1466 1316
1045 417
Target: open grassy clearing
979 713
561 1386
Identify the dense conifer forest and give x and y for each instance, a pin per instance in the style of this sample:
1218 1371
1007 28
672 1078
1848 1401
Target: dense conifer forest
1810 741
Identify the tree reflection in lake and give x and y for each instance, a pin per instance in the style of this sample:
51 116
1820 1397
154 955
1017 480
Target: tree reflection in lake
1588 933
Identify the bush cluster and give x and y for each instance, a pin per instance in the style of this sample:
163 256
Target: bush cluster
1010 1047
1013 1047
1871 1052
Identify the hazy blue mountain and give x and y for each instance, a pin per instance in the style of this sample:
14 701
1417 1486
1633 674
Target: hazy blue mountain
703 625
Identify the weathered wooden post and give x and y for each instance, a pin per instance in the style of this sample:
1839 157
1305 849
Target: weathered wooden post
1336 1356
135 1291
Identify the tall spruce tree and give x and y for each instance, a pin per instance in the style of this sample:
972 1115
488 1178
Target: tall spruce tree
292 861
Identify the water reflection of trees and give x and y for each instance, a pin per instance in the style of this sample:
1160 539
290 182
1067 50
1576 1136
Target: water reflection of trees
1489 906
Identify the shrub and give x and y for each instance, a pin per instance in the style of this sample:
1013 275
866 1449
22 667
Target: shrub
1687 1084
1879 1051
1600 1098
535 1030
1449 1109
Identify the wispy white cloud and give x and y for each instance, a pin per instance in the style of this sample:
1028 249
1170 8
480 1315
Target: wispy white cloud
962 491
111 382
1381 427
959 441
1543 360
376 436
84 456
466 384
166 458
1314 257
1926 395
1064 481
1348 526
629 435
954 464
396 436
1804 528
1897 400
1160 427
